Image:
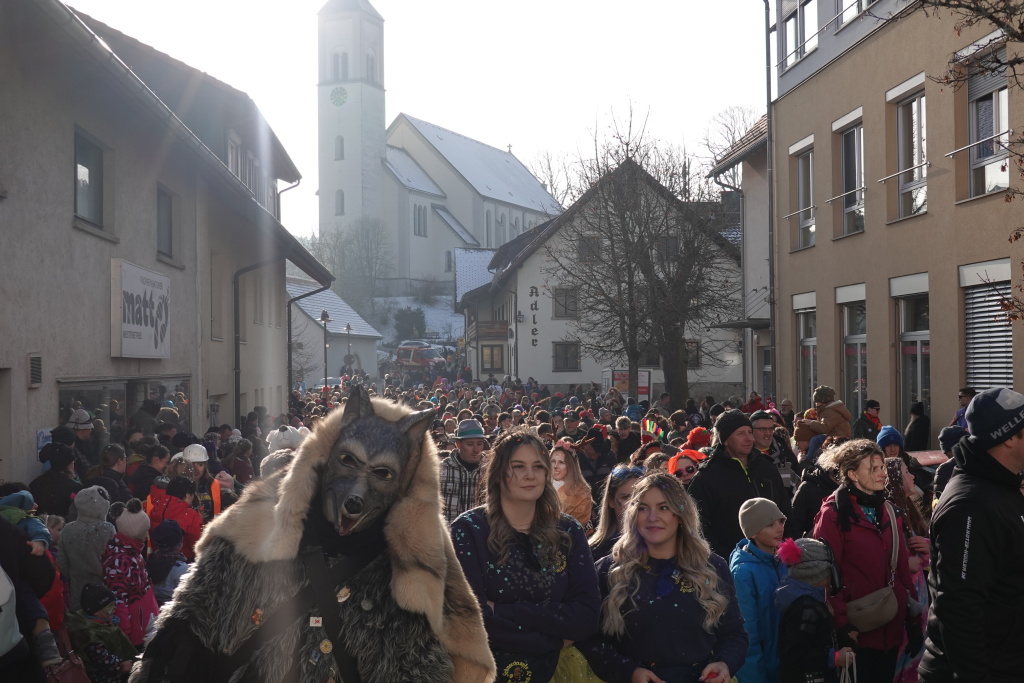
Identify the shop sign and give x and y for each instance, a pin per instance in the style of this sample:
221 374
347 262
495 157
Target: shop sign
140 312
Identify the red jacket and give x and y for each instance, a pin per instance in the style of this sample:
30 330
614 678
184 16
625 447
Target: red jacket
172 507
864 555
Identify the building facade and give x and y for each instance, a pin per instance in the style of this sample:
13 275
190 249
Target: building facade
891 218
431 190
124 230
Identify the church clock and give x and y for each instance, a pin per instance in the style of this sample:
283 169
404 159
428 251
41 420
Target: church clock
339 96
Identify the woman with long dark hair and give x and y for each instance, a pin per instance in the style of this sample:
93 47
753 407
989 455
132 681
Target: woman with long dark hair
859 524
528 564
618 487
669 612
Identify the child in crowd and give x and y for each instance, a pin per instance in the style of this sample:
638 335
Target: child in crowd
83 541
807 642
124 573
94 634
19 509
757 573
166 565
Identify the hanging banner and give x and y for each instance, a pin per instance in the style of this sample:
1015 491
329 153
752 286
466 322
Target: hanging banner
140 312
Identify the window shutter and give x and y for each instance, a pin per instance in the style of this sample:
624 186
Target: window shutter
981 80
989 348
35 371
788 7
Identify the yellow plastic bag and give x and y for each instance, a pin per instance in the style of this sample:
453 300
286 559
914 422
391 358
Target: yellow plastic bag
573 668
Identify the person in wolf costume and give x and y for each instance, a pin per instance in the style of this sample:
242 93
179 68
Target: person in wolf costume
337 568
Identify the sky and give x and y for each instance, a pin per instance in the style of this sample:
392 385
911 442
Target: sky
539 75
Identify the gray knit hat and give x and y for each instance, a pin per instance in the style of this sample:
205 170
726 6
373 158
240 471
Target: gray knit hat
814 563
756 514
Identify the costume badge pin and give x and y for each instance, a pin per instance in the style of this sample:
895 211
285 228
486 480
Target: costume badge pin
316 621
326 646
344 594
256 617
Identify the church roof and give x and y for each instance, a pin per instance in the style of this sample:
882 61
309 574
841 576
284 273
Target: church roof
339 6
408 172
455 225
336 307
493 173
471 270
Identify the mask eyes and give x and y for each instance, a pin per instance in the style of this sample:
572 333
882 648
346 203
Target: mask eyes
383 474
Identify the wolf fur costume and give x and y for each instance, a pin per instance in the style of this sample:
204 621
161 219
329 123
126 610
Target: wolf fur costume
409 615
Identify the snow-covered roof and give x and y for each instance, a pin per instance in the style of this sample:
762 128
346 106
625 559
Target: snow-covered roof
441 320
492 172
339 311
409 173
471 270
455 225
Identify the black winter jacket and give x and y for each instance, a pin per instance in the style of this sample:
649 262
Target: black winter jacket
814 487
975 624
720 488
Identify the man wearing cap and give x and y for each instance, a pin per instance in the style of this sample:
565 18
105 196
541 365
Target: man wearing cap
734 473
571 429
977 532
80 423
460 471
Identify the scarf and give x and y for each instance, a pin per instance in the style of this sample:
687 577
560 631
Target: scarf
873 419
847 511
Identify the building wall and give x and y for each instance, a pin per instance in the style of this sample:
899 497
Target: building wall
310 334
953 232
756 298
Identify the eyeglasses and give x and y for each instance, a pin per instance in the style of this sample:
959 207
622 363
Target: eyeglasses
764 429
689 469
620 473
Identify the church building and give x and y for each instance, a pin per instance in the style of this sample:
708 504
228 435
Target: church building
428 189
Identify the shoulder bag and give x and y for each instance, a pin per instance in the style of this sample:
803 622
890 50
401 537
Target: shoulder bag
878 608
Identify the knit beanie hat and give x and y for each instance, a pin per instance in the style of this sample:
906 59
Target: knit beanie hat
716 409
756 514
824 394
950 436
761 415
889 435
133 522
994 415
95 596
92 502
729 422
808 559
179 487
167 534
698 438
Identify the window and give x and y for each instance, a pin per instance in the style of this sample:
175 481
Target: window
339 66
913 155
801 31
855 356
88 181
566 356
667 249
448 261
488 229
849 9
339 203
807 333
649 355
339 148
491 358
853 180
589 249
565 301
915 353
693 359
164 222
989 347
419 221
988 99
371 68
805 199
235 154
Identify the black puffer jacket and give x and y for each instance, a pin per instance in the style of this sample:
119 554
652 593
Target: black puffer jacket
814 487
975 627
720 488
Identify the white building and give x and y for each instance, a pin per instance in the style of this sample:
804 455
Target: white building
133 196
434 190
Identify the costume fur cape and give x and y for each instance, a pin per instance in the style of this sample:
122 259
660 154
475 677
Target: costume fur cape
410 615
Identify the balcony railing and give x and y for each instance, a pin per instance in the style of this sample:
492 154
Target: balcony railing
488 329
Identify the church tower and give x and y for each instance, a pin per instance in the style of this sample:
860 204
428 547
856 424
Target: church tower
350 112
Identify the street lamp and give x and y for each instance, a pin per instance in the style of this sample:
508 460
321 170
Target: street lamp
348 331
325 318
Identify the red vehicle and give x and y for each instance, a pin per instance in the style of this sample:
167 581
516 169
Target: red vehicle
413 357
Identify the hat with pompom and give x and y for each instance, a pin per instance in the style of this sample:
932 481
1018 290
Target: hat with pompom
133 522
809 560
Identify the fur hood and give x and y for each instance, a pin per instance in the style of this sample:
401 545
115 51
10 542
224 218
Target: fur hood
267 525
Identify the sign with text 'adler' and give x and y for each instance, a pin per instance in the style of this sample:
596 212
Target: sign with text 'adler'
140 312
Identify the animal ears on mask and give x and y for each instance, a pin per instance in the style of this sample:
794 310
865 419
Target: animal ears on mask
359 405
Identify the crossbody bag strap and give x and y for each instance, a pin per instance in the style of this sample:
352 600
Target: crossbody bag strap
895 540
326 601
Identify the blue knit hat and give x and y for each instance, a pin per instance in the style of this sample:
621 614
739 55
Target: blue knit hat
950 436
889 435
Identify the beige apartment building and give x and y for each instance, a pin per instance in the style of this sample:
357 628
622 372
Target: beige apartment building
891 219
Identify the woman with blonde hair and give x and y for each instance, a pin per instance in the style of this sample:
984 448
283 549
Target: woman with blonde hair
669 612
528 564
573 490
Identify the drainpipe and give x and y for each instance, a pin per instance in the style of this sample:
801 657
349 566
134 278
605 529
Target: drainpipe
770 176
290 187
238 330
290 302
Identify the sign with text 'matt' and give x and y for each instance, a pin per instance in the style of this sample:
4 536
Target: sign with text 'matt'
140 312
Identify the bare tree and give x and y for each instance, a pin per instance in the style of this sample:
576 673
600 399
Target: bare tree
639 259
368 257
554 171
306 362
723 131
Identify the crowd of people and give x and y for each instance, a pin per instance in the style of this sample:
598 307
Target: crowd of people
605 539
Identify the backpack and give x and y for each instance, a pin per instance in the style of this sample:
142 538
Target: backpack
10 636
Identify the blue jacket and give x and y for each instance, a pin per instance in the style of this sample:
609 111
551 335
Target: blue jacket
757 575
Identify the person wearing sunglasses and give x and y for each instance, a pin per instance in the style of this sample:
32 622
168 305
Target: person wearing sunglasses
684 465
618 487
